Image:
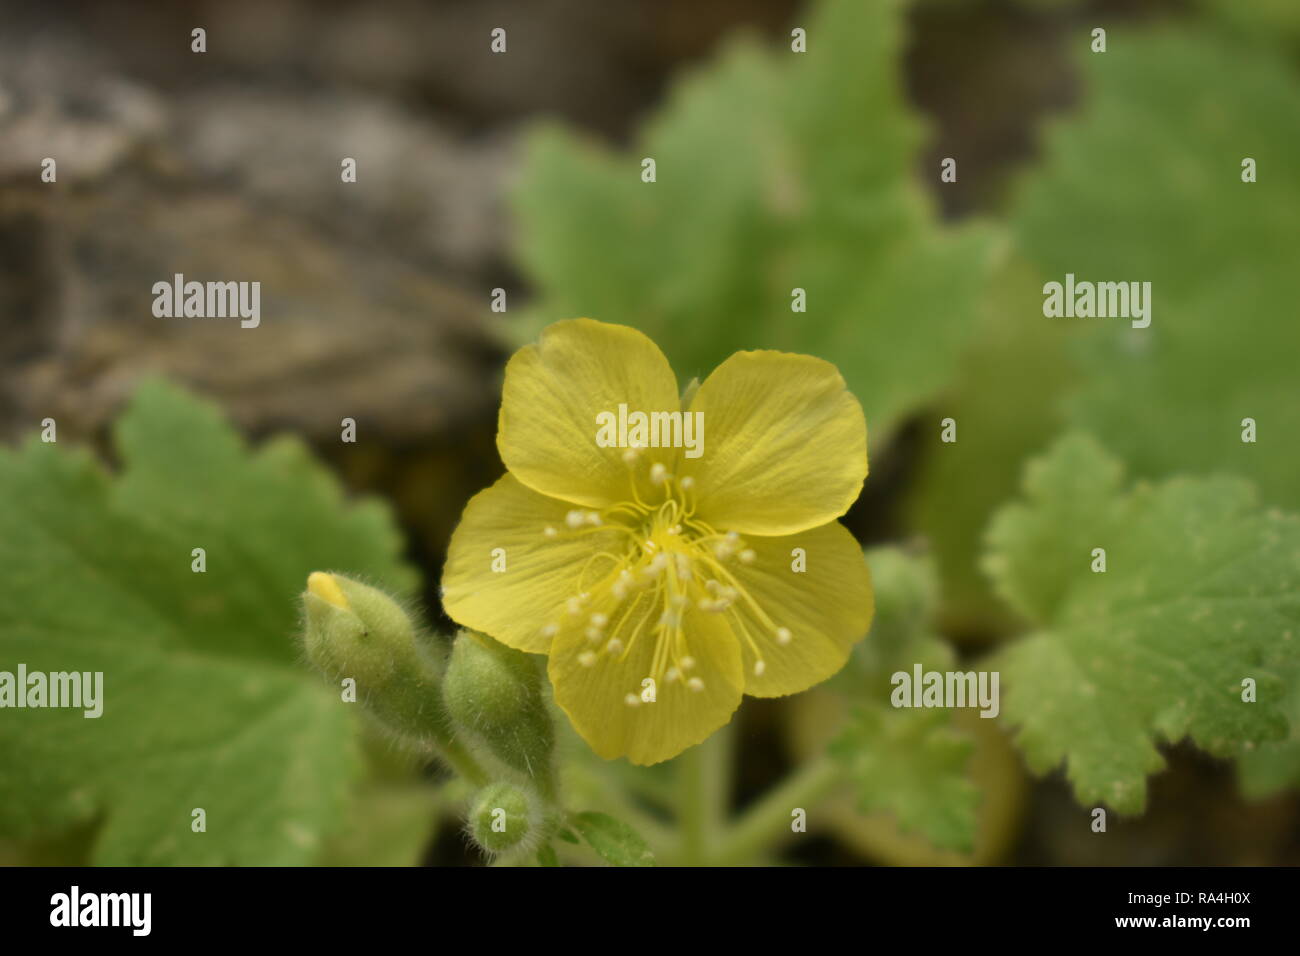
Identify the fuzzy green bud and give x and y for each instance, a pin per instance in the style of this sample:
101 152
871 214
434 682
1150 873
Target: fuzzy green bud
363 639
494 695
505 819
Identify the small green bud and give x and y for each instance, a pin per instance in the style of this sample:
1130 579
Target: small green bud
357 632
494 695
505 818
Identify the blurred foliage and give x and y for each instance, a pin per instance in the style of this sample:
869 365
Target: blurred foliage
1146 184
387 824
95 574
1273 767
776 170
1268 20
910 762
1004 399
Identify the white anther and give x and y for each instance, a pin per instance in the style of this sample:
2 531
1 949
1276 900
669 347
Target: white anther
658 473
624 584
574 519
592 518
688 483
598 619
574 606
672 675
631 455
615 646
783 635
759 667
587 658
748 556
733 537
688 663
550 630
632 700
594 633
550 532
695 684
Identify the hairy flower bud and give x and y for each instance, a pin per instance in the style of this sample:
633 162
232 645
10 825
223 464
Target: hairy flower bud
506 818
494 696
359 633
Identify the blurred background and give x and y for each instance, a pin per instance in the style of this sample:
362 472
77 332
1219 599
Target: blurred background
376 293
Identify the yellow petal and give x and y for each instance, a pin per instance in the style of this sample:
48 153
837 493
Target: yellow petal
785 444
552 396
505 526
595 695
326 587
825 608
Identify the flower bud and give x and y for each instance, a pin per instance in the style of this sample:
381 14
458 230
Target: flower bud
355 631
494 695
505 818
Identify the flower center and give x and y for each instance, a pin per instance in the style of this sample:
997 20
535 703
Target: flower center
663 561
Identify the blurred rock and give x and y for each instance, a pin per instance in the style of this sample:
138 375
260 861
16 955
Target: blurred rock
436 196
349 329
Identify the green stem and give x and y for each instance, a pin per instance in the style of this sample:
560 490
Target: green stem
703 795
458 758
690 809
767 823
715 784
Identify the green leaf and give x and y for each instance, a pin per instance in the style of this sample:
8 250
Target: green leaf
204 703
910 762
388 824
615 841
775 171
546 856
1274 767
1201 591
1144 184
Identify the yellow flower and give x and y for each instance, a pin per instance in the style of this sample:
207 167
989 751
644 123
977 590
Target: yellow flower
663 586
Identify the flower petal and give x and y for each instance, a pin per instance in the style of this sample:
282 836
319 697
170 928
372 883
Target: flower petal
785 444
595 695
826 608
541 573
552 394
